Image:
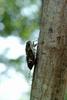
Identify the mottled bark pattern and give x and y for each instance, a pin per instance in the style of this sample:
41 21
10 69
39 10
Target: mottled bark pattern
49 74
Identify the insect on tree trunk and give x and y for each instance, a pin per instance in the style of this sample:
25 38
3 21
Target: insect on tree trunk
49 81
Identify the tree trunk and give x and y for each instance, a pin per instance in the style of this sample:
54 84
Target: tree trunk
49 81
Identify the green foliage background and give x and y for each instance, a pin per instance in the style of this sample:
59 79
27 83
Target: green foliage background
12 19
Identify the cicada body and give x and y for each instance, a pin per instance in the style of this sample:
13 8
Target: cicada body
30 55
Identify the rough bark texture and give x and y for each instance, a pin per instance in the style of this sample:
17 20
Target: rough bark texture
49 74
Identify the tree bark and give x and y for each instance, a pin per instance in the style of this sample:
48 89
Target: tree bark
49 81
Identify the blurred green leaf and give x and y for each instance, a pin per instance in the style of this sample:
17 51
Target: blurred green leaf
7 22
65 97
